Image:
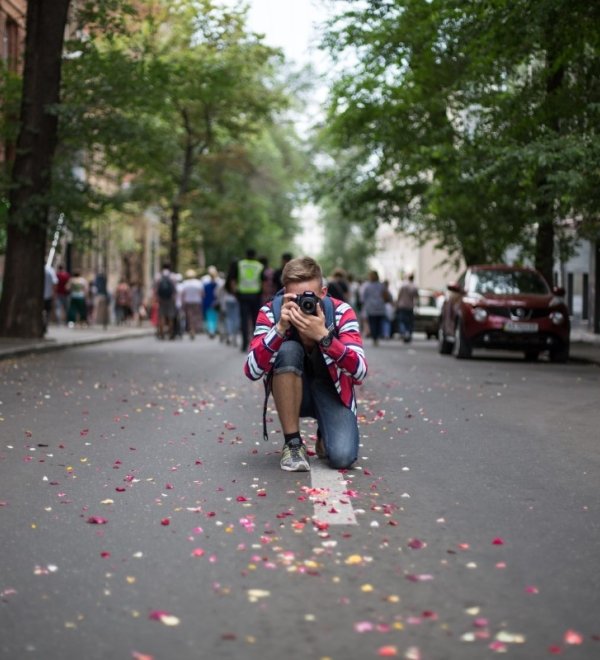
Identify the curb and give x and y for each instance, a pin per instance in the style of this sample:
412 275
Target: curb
59 345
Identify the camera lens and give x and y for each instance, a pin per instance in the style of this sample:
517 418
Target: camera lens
308 305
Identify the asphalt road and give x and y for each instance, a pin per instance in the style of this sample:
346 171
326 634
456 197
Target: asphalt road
143 516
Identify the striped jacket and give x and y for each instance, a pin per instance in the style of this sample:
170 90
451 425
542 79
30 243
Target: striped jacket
345 357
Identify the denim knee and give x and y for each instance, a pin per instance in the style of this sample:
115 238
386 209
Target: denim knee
289 359
341 457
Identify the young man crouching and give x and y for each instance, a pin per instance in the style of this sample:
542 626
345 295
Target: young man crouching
310 351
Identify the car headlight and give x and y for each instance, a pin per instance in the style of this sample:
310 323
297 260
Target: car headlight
480 314
557 317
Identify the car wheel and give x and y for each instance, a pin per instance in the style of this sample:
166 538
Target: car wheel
462 346
532 356
560 355
444 346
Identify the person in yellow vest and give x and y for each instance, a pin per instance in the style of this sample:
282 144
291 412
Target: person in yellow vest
248 280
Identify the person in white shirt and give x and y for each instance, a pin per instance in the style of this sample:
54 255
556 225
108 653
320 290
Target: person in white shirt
192 293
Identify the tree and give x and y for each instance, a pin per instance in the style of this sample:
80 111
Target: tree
467 122
184 105
22 294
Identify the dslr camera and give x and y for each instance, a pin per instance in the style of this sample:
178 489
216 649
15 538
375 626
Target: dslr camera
308 302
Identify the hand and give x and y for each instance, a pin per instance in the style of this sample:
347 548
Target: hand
310 327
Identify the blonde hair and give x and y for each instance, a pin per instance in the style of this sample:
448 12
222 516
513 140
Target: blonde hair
301 269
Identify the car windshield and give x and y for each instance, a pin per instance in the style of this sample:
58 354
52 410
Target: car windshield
507 282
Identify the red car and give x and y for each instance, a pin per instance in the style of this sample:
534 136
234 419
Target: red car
504 307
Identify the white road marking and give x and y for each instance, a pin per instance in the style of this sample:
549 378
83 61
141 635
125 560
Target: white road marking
330 503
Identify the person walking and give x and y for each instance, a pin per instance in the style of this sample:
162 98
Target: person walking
50 282
62 295
211 284
308 347
277 282
164 289
102 300
78 290
408 297
123 309
192 293
374 305
230 308
248 276
337 285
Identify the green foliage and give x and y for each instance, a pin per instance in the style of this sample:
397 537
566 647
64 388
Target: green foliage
470 123
180 108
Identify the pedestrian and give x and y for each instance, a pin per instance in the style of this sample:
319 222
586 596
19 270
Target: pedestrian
192 293
62 295
211 282
138 309
285 257
408 297
50 282
102 300
374 305
230 308
390 312
122 302
164 290
248 276
337 285
268 281
78 290
308 348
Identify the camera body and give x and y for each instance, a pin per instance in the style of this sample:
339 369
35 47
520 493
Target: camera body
308 302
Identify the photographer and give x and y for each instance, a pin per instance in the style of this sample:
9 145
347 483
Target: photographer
309 349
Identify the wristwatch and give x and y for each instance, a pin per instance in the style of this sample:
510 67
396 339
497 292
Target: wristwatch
327 339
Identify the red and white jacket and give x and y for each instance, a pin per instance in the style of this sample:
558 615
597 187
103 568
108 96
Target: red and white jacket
345 357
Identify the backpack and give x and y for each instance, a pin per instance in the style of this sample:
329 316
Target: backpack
277 302
165 288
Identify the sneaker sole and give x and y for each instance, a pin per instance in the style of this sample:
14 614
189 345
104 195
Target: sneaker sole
301 468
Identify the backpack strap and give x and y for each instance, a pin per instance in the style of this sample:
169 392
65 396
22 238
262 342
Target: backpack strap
277 302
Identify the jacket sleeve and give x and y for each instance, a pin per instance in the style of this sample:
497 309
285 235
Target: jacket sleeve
347 348
264 345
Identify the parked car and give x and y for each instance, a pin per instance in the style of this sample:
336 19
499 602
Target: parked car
427 313
504 307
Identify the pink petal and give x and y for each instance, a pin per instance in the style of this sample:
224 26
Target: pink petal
387 651
573 637
498 541
165 521
97 520
416 544
197 552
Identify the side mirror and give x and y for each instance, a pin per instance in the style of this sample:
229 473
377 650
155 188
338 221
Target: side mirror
455 288
558 291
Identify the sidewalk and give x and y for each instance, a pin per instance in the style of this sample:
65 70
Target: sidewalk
585 345
60 337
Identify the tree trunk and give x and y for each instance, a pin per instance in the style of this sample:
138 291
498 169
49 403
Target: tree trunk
174 244
184 186
544 246
22 295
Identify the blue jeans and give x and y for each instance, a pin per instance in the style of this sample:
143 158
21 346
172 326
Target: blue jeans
406 322
320 400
